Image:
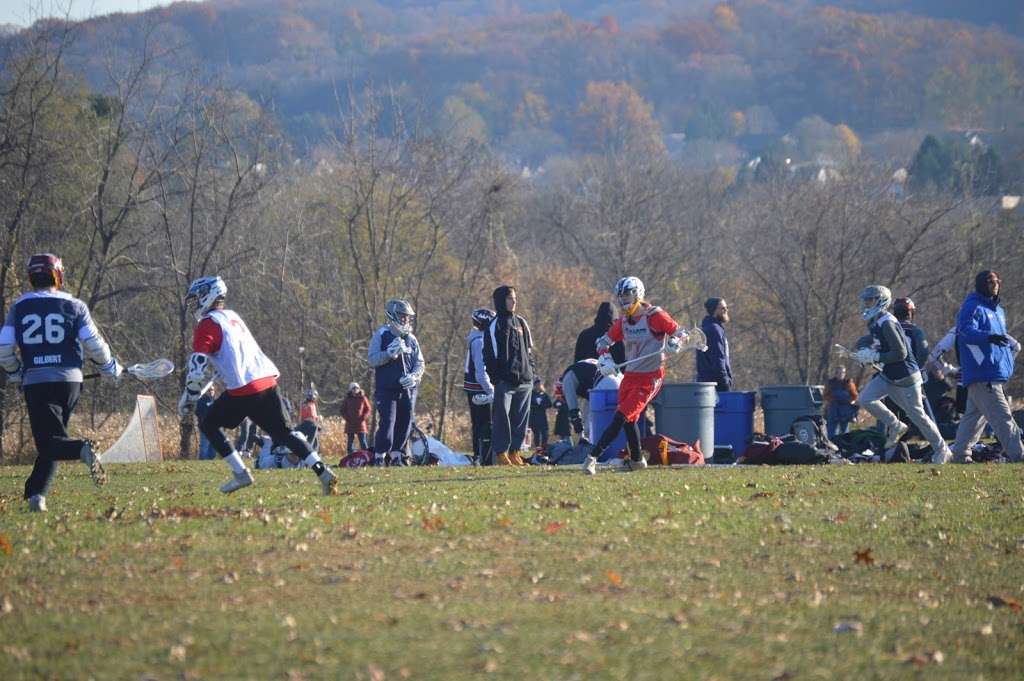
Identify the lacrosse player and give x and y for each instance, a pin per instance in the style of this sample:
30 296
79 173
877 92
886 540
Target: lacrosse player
222 343
51 330
899 377
395 354
478 386
645 330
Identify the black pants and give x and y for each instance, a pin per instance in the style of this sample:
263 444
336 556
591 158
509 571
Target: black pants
395 415
363 442
480 418
266 410
540 432
49 409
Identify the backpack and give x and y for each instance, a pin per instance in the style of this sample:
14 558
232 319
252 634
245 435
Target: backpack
664 451
794 453
357 459
856 441
811 430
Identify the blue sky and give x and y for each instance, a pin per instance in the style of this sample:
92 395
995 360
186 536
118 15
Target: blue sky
24 12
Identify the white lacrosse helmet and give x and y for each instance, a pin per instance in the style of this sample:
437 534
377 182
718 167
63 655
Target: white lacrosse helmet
400 313
203 293
876 300
632 290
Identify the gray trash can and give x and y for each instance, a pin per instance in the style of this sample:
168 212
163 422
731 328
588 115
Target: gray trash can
686 412
784 404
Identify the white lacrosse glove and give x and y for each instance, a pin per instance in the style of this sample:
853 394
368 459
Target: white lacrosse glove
482 399
866 356
1014 346
187 404
395 348
606 365
407 381
673 344
112 369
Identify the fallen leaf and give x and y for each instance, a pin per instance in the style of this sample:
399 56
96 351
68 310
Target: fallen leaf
615 578
1007 602
864 556
553 527
761 495
852 626
926 658
5 544
177 653
505 522
432 523
375 672
568 504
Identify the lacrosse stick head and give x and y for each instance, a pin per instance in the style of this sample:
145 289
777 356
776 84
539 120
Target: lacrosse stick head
695 340
158 368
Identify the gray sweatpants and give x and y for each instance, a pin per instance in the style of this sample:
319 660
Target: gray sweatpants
909 400
509 415
987 403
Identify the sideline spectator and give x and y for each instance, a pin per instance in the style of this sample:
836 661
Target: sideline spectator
310 420
562 430
509 365
355 410
206 451
540 402
904 310
987 356
478 388
248 438
586 341
713 366
841 398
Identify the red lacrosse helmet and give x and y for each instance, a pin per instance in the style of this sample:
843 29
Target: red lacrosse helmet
46 263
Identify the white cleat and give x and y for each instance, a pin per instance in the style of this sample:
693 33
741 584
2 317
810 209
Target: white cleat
630 465
590 466
892 437
91 459
243 479
945 456
329 482
37 503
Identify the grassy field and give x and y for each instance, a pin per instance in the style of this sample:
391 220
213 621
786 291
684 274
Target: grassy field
866 572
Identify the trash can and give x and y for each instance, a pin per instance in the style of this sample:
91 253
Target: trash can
686 412
734 420
603 404
783 404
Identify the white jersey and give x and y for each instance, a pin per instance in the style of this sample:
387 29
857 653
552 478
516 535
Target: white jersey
239 359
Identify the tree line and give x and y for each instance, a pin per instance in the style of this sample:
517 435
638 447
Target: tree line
164 175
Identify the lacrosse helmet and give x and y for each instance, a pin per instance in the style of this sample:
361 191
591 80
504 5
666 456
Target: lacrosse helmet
45 270
401 316
203 293
312 394
876 300
903 309
629 291
482 317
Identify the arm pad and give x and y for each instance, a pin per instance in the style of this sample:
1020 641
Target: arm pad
96 349
197 379
8 360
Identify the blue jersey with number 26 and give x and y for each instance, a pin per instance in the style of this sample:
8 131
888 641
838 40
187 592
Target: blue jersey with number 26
47 326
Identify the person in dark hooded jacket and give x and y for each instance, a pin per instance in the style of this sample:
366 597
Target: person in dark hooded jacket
586 342
713 365
509 363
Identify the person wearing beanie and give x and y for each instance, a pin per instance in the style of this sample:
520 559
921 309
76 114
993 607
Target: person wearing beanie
987 355
713 366
509 363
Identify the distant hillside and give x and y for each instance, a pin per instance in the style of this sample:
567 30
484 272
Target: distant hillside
1006 14
517 75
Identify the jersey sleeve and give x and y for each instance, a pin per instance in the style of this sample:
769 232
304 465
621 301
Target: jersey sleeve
207 337
662 322
614 334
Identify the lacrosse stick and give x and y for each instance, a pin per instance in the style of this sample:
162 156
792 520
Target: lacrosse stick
694 340
158 368
847 353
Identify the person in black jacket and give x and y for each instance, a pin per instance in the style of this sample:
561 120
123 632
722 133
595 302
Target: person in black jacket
713 366
509 364
540 402
586 342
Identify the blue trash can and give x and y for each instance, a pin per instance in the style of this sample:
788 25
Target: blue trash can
784 404
603 404
686 412
734 420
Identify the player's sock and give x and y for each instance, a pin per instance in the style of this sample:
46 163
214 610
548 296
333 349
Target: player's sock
235 461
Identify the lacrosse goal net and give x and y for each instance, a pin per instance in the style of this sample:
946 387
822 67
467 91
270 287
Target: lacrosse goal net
140 440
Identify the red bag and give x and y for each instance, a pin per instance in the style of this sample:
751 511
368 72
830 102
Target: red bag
357 459
664 451
760 453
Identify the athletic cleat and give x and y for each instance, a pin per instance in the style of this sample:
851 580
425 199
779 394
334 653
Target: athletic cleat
516 459
892 437
243 479
91 459
329 482
631 465
37 503
945 456
590 466
503 460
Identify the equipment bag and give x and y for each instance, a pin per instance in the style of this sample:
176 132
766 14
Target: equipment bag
664 451
357 459
811 430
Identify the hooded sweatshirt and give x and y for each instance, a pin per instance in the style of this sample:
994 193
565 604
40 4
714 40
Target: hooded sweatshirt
982 316
507 344
586 342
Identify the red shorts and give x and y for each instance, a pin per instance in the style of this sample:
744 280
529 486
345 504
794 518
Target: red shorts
635 392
